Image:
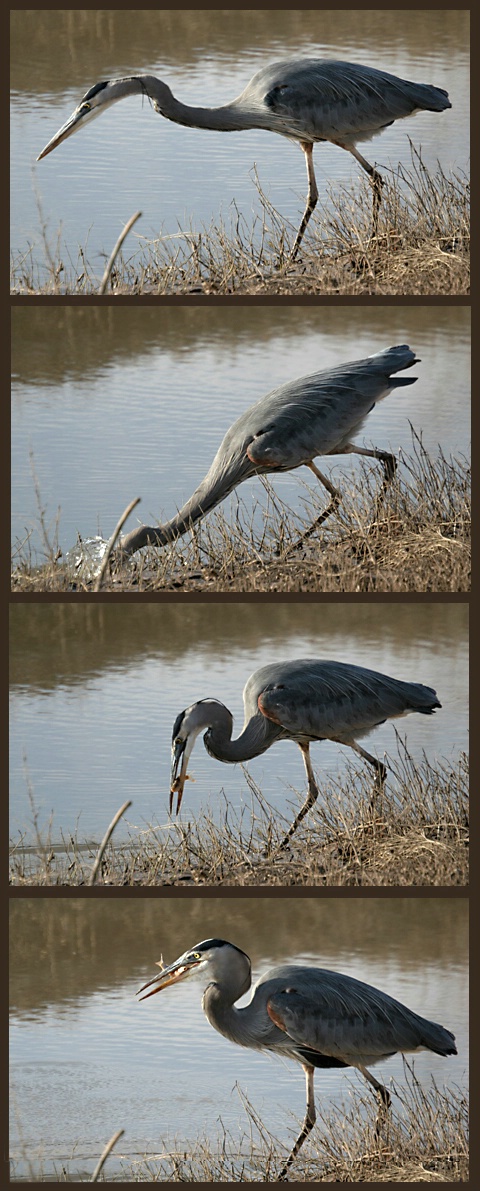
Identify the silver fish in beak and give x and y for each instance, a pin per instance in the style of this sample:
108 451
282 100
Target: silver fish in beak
180 755
186 728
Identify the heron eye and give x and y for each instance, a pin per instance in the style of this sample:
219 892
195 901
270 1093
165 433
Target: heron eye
87 107
195 955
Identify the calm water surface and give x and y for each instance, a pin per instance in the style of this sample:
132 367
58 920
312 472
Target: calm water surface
95 691
180 178
87 1060
112 403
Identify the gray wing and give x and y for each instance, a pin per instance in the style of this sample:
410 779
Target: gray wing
315 699
320 413
322 99
344 1018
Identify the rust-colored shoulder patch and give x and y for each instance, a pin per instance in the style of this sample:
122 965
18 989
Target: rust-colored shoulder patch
275 1017
268 714
262 462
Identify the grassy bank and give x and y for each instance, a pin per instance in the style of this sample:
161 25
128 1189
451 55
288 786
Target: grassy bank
415 833
428 1143
422 247
415 536
424 1138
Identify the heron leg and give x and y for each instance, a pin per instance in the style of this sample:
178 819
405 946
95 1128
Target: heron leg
376 181
310 1118
311 796
334 503
380 769
389 466
389 461
312 196
384 1095
382 1092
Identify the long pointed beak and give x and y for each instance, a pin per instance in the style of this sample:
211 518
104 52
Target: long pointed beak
177 971
66 130
180 753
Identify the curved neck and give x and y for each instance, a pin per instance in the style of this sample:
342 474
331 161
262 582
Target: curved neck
248 1026
257 736
218 1006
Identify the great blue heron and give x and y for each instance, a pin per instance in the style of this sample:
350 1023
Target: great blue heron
315 415
317 1017
304 700
305 100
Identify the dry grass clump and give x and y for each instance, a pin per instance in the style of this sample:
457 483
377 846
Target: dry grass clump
412 536
422 247
414 833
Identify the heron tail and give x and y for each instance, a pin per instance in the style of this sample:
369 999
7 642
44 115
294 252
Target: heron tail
431 99
438 1039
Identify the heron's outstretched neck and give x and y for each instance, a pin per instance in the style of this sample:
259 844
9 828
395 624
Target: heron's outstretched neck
229 118
228 469
161 535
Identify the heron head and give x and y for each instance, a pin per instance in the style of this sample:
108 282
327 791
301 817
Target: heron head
186 728
96 100
215 954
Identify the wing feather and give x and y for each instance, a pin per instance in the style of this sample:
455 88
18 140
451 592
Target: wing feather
341 1017
315 699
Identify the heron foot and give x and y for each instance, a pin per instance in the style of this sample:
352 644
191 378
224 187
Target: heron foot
294 251
377 183
389 465
378 788
385 1103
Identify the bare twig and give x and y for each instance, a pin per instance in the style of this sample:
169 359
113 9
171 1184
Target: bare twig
108 1148
98 859
116 250
112 540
